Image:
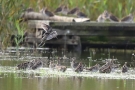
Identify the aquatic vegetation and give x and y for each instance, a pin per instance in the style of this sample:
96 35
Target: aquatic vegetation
20 32
10 12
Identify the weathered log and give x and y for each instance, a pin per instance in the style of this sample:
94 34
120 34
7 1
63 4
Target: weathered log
39 16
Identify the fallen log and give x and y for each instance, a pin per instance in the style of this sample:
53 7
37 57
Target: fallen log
39 16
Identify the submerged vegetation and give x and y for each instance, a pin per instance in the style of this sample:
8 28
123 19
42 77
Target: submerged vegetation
12 9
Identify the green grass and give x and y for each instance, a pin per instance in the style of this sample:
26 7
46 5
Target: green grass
12 9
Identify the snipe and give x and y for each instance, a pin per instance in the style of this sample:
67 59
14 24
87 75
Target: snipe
63 9
110 16
46 12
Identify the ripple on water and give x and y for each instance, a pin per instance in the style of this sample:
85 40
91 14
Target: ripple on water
46 72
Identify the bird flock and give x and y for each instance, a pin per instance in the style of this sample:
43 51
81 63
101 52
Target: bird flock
34 64
108 67
112 18
76 12
62 10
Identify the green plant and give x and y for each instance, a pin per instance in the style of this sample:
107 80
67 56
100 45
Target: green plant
10 12
90 59
20 33
12 9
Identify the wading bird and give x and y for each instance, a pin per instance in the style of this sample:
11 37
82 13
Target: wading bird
128 19
76 11
47 34
110 16
101 18
34 64
76 66
93 68
124 68
63 9
46 12
106 68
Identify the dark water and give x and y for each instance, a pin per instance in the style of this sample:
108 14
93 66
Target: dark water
15 81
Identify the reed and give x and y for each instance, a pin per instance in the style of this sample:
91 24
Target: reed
90 59
12 9
20 34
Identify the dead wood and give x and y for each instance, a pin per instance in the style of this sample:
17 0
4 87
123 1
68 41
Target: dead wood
39 16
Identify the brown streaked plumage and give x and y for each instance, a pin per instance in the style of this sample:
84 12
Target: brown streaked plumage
106 68
81 14
37 63
93 68
46 12
74 11
34 64
129 18
63 9
30 9
59 9
110 16
124 68
79 67
46 28
61 68
23 65
101 18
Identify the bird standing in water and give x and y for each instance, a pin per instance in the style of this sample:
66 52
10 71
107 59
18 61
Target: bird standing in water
24 65
93 68
34 64
106 68
57 66
77 67
51 65
125 68
61 68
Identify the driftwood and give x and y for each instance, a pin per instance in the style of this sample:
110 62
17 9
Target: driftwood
39 16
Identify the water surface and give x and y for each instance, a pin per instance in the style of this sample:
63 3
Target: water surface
12 79
15 82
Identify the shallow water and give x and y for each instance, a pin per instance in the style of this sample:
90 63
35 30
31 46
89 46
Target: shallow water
46 79
11 81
